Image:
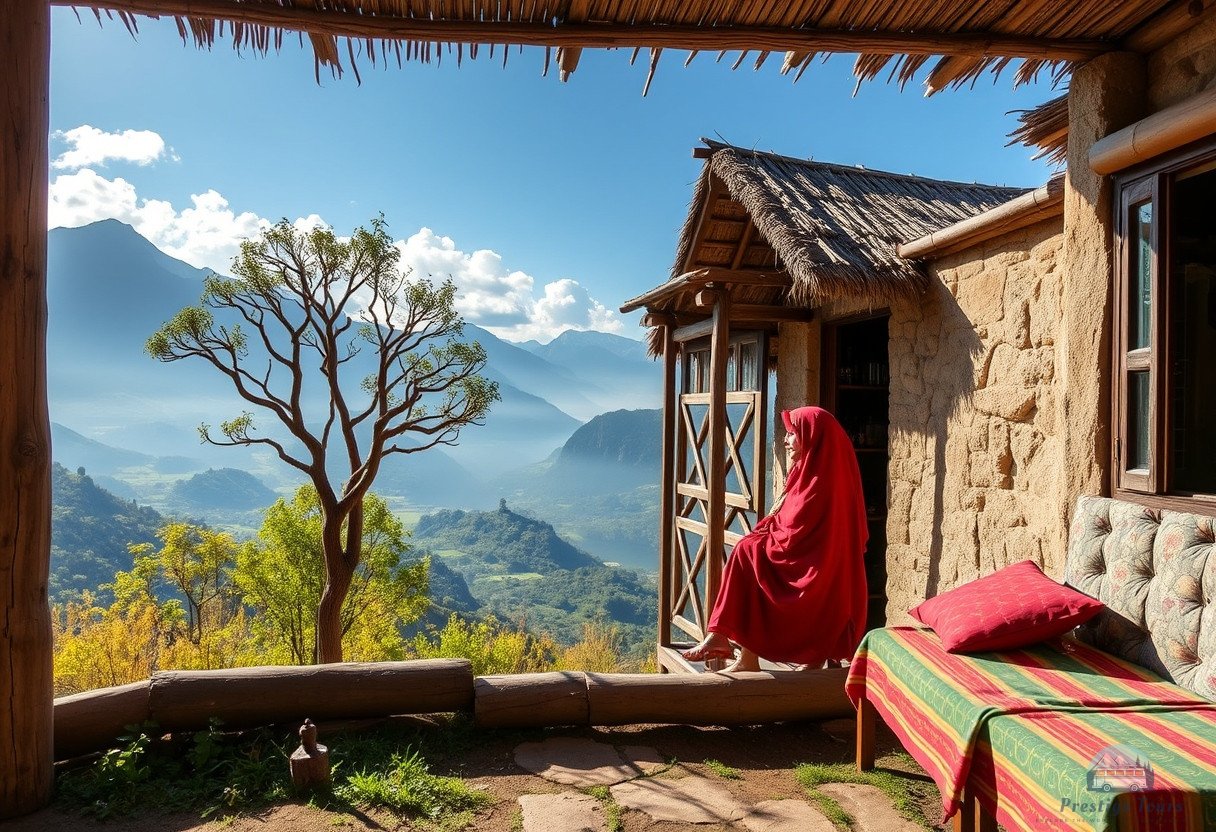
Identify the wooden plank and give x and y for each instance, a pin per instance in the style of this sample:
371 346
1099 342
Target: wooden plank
866 716
717 698
26 686
672 662
733 499
667 481
614 35
719 351
692 332
690 627
530 700
250 696
1177 19
732 397
93 720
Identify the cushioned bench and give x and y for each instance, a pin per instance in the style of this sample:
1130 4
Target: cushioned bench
1112 727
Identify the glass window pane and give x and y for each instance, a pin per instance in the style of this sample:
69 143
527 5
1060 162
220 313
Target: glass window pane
747 362
732 368
1137 421
1140 284
1192 334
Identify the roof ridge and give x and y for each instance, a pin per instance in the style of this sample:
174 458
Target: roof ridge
715 146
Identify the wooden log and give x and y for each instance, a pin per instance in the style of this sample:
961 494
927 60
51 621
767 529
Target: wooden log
249 696
866 716
669 568
90 721
530 700
26 686
612 35
717 698
1163 131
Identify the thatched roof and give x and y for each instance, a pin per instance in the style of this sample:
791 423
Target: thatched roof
831 228
1045 127
956 40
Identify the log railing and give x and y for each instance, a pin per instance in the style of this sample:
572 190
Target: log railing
253 696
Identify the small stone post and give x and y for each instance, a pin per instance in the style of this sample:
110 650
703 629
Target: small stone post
309 762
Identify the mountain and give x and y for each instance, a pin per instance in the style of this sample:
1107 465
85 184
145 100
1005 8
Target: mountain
522 571
619 372
90 532
222 488
73 450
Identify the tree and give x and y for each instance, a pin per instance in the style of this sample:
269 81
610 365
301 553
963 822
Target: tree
282 578
307 293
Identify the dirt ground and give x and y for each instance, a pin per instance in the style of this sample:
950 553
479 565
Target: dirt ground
764 755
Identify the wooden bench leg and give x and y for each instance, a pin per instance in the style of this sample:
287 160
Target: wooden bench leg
865 734
972 817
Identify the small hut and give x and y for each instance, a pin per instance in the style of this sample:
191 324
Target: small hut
773 248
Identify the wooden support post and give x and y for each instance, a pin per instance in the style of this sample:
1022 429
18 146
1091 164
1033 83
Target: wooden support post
719 351
26 690
865 734
309 764
972 816
668 577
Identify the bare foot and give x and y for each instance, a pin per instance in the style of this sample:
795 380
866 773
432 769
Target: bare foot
713 646
748 662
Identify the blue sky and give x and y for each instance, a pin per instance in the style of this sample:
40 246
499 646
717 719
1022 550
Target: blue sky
549 203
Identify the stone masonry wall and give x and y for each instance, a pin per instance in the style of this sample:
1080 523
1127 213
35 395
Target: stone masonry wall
974 451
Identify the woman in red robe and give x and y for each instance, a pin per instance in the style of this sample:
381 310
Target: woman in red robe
794 588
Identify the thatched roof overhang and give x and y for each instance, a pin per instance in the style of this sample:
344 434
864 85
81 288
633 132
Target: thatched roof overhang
1028 209
830 230
968 37
1045 127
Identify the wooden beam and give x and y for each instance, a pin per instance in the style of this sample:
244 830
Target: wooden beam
691 332
668 566
715 510
530 700
26 679
614 35
866 715
744 242
1176 19
1165 130
764 313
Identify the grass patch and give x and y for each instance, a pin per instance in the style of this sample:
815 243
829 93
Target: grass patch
406 786
221 774
612 809
723 770
899 789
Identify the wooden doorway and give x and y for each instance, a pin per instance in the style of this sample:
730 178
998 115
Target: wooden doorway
691 568
856 384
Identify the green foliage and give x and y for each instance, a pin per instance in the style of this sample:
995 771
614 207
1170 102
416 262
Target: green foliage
491 647
612 809
901 790
90 531
407 786
210 771
283 576
722 770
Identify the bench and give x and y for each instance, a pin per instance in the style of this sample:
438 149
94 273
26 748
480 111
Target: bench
1110 727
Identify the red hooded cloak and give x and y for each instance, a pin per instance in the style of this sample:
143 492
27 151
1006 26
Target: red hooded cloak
794 588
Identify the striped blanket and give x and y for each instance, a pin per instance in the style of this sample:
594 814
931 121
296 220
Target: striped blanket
1055 736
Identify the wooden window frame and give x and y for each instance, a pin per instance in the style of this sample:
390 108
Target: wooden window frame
1152 181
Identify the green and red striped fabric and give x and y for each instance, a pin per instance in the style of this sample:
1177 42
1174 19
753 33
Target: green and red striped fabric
1043 730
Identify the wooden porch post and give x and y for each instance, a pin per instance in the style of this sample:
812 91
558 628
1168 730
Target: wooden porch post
719 350
26 694
667 483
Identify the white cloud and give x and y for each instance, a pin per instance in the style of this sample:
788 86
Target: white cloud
207 234
503 300
90 146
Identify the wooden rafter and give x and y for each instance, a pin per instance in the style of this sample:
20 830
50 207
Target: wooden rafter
612 35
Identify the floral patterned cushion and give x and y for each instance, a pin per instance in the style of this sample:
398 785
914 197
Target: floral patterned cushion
1155 573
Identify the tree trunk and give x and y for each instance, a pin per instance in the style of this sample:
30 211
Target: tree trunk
26 692
338 575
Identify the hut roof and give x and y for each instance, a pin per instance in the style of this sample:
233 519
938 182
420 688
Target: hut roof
969 36
831 229
1045 127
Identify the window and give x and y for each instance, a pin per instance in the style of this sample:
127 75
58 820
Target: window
1164 392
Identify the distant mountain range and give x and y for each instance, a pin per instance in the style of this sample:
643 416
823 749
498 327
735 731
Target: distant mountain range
109 289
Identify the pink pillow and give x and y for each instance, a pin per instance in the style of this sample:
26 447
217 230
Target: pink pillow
1012 607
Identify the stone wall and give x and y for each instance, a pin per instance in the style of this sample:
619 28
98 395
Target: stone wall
1184 67
974 450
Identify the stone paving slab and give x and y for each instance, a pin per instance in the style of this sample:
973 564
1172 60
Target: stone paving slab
575 761
644 758
565 812
869 807
787 816
688 800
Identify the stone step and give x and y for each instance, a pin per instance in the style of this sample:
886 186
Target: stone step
565 812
